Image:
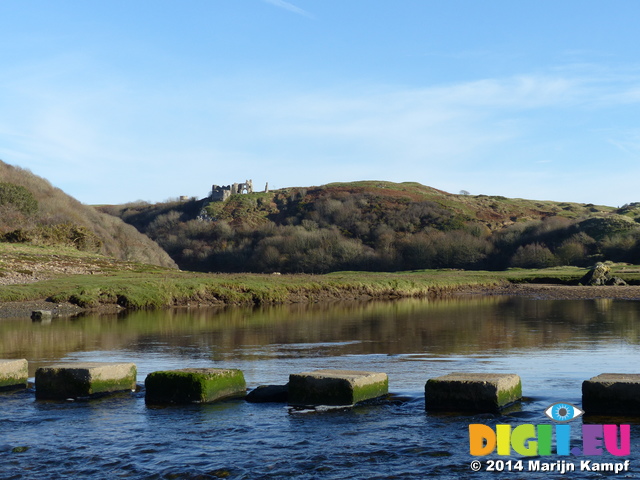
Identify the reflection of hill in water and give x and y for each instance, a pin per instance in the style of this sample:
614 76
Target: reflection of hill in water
449 326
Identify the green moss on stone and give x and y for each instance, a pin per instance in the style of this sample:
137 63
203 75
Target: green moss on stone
68 382
469 392
326 388
506 397
13 382
198 385
373 390
13 374
101 386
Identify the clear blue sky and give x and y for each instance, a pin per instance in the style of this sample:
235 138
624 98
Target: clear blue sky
115 101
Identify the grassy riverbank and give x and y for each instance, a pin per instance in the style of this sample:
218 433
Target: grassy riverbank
62 275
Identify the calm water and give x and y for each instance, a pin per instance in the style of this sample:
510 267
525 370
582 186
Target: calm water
552 345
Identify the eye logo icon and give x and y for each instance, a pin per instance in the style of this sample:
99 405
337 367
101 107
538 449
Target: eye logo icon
563 412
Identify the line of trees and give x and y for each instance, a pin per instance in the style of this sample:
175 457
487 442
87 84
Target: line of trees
296 233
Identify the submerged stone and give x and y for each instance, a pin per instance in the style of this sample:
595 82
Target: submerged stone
336 387
472 392
269 394
189 385
13 373
612 394
59 382
41 315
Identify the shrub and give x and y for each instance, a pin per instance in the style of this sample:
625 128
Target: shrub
17 236
534 255
571 252
601 227
18 197
67 234
620 247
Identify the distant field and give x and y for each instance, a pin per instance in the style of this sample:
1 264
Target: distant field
90 280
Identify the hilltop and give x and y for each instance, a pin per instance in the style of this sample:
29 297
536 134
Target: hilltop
53 247
383 226
34 212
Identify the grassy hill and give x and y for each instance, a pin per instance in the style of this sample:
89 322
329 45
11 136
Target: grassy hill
32 211
383 226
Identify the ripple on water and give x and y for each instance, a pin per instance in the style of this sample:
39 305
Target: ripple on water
120 437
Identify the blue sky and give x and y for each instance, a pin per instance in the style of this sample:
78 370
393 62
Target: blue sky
125 100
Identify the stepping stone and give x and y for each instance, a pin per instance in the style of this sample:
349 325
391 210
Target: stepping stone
269 394
59 382
336 387
194 385
13 374
612 394
472 392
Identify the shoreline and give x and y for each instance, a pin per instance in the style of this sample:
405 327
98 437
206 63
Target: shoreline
548 291
23 309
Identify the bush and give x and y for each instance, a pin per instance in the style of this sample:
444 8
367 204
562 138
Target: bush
71 235
571 252
18 197
601 227
17 236
620 248
534 255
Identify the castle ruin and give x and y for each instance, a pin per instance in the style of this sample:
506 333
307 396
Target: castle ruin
221 193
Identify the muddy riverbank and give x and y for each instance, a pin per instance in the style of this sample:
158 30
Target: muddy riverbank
560 292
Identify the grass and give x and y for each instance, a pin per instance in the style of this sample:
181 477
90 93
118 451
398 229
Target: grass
104 280
46 215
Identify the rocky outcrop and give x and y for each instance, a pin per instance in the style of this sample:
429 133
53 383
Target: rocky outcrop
600 274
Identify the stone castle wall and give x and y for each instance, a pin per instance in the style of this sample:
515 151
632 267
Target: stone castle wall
221 193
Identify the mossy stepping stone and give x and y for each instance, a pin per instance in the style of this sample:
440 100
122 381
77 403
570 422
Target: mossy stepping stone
612 394
13 373
89 379
472 392
336 387
194 385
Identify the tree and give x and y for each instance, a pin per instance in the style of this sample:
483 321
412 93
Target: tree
534 255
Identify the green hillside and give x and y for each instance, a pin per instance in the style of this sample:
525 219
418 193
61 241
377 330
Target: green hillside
32 211
383 226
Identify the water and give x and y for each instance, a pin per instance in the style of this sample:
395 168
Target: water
552 345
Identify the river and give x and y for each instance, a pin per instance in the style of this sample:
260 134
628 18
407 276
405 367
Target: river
552 344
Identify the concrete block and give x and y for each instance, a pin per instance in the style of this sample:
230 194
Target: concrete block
13 373
191 385
612 394
59 382
336 387
472 392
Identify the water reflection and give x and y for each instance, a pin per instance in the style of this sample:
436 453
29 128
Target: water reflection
552 345
456 326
